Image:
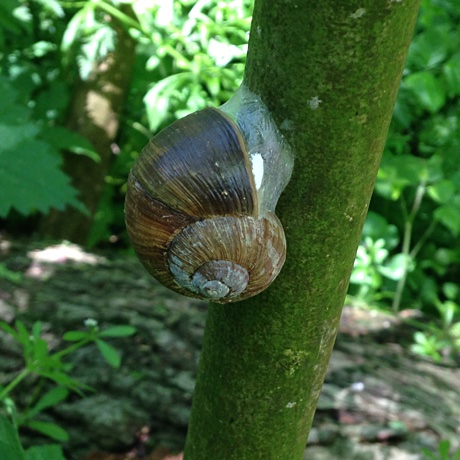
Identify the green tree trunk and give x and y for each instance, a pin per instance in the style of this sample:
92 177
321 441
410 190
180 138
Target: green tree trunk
329 72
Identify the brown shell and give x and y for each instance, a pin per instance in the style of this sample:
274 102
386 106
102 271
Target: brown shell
258 245
191 199
199 165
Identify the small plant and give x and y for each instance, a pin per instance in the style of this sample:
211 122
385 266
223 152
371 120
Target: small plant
40 363
443 452
427 344
375 271
438 340
367 273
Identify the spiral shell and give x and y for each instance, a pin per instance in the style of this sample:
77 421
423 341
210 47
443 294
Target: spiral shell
200 201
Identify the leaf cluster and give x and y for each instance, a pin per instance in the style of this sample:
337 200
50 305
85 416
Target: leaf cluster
189 55
409 255
41 364
34 99
443 453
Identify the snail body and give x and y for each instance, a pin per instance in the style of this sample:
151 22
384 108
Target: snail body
201 197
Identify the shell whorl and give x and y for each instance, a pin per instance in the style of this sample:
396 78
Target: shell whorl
195 211
255 246
219 279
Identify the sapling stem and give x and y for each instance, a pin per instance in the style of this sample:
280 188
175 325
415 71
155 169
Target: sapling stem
407 238
14 383
72 348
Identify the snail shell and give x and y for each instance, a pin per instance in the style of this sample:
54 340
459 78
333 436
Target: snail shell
200 201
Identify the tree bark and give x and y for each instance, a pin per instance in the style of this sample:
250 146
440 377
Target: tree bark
94 113
329 72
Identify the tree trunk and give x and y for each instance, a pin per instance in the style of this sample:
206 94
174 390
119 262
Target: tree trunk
329 72
94 113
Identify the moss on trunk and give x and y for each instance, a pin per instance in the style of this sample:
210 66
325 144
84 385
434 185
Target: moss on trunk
329 72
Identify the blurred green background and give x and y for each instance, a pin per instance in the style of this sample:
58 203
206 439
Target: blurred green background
85 84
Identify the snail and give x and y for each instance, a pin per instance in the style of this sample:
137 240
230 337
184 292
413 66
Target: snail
200 201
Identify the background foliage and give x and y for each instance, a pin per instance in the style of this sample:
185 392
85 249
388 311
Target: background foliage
191 54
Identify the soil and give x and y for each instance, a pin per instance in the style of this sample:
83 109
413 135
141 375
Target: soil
379 401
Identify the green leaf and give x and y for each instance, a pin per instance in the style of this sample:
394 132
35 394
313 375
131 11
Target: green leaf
430 48
428 90
451 291
443 448
10 447
7 19
398 172
62 379
51 102
109 353
10 275
40 350
32 180
448 310
53 6
103 39
451 72
23 13
376 226
157 98
47 452
429 454
36 329
10 110
222 53
75 336
70 33
449 215
118 331
49 399
40 49
441 192
13 135
396 266
213 84
431 170
48 429
64 139
362 275
23 333
9 330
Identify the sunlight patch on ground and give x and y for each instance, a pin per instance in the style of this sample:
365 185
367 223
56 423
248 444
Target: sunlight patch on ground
43 259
